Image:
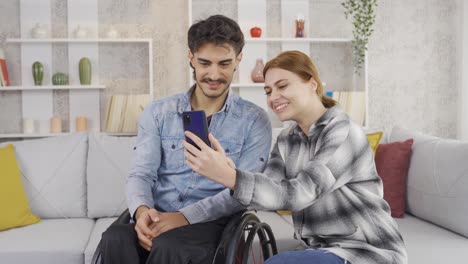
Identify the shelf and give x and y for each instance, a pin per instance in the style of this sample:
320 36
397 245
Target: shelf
52 87
301 40
43 135
260 85
31 135
235 85
72 40
120 134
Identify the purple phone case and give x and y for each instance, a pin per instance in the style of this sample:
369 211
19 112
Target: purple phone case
197 125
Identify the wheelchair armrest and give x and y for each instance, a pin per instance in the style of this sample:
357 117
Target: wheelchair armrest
124 218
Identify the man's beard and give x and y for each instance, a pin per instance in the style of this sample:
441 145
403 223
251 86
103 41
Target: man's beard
222 81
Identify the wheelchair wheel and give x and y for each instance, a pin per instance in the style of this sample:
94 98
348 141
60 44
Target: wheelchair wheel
245 240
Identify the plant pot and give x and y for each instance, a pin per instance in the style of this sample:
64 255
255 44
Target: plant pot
85 71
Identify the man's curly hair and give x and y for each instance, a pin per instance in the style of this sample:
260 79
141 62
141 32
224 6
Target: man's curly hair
218 30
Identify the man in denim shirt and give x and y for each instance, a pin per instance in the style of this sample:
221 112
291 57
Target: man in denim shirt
179 214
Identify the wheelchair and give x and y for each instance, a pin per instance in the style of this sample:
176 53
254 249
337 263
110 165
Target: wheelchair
244 240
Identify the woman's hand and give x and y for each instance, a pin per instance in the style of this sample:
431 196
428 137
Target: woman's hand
210 162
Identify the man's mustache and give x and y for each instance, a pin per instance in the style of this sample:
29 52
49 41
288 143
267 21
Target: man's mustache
211 80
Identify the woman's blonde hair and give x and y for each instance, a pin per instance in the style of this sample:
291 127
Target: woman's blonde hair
300 64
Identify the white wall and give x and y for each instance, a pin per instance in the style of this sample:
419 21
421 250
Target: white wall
415 66
463 72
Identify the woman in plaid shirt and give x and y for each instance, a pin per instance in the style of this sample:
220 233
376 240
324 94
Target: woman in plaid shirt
321 168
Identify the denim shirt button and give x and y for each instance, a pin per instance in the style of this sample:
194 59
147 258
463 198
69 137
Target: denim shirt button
262 159
180 199
173 146
227 150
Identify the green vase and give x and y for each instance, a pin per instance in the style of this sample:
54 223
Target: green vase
85 71
60 78
37 72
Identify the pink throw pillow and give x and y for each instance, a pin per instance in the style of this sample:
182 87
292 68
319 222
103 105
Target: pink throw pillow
392 162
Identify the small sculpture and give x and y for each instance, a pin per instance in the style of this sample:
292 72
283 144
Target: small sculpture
81 32
60 78
300 26
85 71
39 31
255 32
257 72
37 72
112 33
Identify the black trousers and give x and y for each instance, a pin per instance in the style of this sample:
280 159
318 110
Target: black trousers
190 244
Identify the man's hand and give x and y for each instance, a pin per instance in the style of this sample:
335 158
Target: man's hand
168 221
145 217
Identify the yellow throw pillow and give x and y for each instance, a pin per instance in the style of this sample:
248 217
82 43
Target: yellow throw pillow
14 205
374 140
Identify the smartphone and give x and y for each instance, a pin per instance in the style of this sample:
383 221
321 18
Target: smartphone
195 122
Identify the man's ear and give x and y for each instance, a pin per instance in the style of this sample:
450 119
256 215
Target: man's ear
190 57
239 57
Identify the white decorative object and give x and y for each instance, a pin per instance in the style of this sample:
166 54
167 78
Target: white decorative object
81 32
44 126
28 126
112 33
39 31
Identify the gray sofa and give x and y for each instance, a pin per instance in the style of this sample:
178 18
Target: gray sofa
75 183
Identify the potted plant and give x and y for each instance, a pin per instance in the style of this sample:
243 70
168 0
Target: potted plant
362 12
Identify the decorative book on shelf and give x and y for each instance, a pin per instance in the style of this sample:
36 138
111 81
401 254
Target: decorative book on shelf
4 79
353 103
123 112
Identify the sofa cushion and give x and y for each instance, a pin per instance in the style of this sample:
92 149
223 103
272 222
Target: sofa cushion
374 140
100 226
13 200
392 162
52 241
437 185
109 160
429 244
53 171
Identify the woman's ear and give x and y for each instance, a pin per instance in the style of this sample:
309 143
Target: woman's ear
313 83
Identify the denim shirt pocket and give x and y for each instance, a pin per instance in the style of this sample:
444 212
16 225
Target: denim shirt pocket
232 149
172 153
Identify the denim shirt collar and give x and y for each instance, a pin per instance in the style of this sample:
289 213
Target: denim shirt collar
231 100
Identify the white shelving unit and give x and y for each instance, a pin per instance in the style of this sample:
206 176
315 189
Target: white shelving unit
42 135
75 40
37 101
299 40
254 13
51 87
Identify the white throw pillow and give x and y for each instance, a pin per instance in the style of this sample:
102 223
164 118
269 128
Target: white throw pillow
109 160
53 171
437 180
